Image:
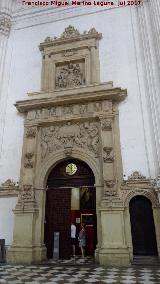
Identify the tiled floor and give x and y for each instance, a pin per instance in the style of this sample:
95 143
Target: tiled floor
77 271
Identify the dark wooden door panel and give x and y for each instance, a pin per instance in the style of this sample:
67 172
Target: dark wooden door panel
58 219
142 227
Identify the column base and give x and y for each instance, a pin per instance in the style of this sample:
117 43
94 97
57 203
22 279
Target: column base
114 257
26 255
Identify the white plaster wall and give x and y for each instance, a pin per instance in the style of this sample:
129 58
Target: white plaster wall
118 60
7 218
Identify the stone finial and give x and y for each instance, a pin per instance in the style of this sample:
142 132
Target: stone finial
136 175
70 32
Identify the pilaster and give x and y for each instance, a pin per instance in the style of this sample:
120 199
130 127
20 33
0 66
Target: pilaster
5 27
149 25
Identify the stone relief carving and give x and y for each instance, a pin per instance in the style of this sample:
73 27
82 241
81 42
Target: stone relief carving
136 175
108 156
26 198
9 185
28 160
83 135
106 124
74 110
69 76
70 32
110 183
69 52
31 132
5 23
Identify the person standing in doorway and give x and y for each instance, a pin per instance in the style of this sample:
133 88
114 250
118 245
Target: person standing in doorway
82 239
73 238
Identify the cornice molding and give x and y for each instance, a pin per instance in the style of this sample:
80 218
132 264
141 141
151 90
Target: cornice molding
27 17
71 96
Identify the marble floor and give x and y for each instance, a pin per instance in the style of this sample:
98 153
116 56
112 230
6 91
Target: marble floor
77 271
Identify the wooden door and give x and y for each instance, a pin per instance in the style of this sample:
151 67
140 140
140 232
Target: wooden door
58 219
142 227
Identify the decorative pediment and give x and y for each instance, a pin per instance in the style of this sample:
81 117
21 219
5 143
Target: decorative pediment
137 180
9 187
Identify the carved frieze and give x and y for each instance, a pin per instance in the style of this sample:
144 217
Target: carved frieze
108 156
69 76
74 110
31 132
82 135
28 160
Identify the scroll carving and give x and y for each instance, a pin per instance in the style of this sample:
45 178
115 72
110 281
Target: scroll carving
84 135
69 76
108 156
31 132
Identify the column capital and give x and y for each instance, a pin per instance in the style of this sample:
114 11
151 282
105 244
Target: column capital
5 24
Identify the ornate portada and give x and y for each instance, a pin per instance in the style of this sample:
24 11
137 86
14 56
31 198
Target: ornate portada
75 116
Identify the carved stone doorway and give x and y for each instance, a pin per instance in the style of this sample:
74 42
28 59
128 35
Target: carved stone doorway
71 196
142 227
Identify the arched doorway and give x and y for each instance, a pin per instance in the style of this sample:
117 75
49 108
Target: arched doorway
142 227
71 196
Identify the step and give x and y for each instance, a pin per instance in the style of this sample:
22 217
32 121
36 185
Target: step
146 260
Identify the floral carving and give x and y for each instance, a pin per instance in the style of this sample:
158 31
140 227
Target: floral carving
28 160
106 124
31 132
108 155
69 76
84 135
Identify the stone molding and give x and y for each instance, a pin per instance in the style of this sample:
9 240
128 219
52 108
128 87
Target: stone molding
93 93
9 184
28 17
9 188
70 34
5 24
